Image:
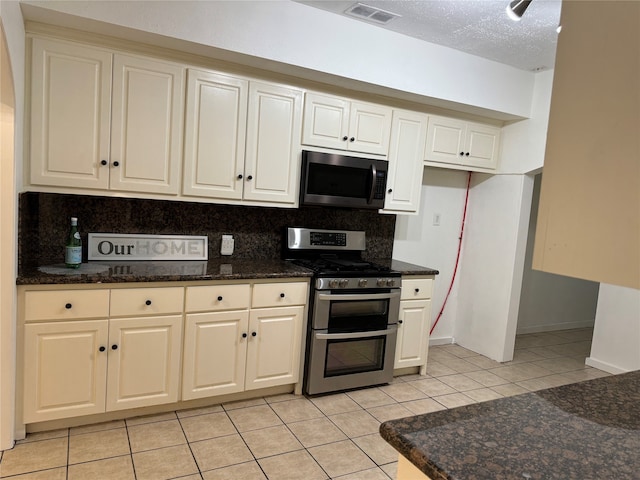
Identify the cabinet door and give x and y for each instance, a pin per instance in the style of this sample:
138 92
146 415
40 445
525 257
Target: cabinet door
483 143
144 366
64 370
326 121
406 154
413 333
272 162
445 140
215 131
215 352
146 136
70 114
369 128
273 351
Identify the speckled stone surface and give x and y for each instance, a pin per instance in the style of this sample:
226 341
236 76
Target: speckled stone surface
584 431
118 272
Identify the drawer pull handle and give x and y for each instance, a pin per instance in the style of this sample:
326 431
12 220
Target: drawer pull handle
102 348
253 334
114 347
68 306
148 302
244 335
282 295
220 298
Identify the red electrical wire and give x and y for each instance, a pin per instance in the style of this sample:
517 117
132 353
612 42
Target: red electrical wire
455 269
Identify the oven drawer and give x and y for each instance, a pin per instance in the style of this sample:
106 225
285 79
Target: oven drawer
279 294
416 288
210 298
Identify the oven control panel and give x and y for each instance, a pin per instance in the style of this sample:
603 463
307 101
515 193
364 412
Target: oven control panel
357 283
333 239
321 239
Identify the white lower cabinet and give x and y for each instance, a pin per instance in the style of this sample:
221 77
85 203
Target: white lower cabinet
240 344
85 366
414 322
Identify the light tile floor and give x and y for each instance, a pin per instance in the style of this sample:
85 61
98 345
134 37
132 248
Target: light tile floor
288 437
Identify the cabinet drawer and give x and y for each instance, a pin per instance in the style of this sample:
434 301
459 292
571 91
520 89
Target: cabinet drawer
146 301
217 297
416 288
66 304
279 294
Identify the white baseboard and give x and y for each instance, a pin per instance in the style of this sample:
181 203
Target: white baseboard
550 327
607 367
440 341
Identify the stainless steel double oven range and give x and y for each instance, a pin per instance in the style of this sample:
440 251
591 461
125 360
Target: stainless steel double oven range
353 311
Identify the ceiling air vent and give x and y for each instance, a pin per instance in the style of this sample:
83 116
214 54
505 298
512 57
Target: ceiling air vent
370 14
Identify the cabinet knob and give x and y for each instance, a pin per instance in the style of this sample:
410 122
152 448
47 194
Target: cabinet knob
400 321
220 298
114 347
253 334
466 154
390 190
239 176
282 295
102 348
68 306
250 177
103 162
417 290
352 139
345 138
148 302
461 153
244 335
116 164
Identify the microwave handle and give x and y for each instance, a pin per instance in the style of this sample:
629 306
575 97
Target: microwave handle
374 174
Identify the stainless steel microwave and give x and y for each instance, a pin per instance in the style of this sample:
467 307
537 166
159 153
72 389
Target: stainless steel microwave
335 180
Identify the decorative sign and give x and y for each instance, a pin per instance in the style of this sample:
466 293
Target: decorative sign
115 246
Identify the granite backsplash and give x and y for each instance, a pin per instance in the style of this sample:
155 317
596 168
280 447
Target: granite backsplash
258 231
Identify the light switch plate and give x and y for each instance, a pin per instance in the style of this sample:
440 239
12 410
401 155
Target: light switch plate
226 246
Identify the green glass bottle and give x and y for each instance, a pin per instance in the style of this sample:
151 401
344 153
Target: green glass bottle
73 249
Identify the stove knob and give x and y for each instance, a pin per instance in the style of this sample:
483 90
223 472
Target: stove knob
343 283
333 283
391 282
381 282
362 282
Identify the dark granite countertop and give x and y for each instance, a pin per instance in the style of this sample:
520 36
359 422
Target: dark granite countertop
584 431
171 271
161 271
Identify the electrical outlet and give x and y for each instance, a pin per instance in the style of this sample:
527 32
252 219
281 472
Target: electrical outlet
226 246
436 219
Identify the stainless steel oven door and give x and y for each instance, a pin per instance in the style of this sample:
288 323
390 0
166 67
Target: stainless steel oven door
352 340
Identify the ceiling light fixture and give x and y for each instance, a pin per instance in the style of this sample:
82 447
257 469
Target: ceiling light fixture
516 9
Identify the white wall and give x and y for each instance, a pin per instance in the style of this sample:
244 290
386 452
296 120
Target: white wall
418 241
13 27
552 302
316 41
616 336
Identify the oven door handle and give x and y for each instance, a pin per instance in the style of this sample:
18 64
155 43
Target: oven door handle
364 296
350 336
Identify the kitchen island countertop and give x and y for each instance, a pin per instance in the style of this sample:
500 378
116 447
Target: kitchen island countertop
586 430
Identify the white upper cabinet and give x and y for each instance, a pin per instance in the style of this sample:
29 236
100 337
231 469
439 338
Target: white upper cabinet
70 114
87 132
342 124
272 163
146 132
406 151
215 132
468 145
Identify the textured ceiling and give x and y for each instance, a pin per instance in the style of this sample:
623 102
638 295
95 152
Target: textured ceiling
478 27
